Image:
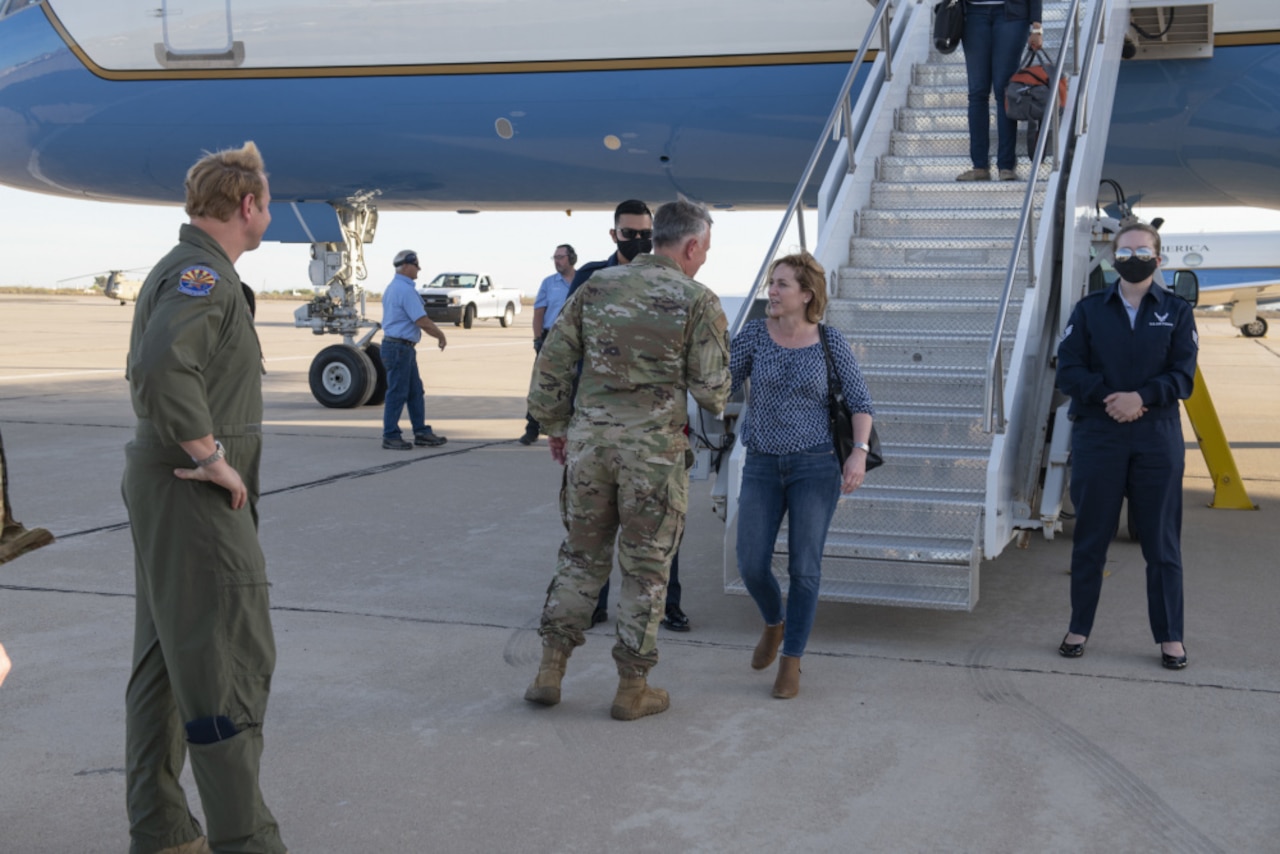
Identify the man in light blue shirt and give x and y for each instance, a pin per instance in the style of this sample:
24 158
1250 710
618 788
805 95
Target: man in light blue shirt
552 293
403 322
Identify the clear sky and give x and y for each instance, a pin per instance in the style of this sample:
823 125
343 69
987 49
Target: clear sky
47 239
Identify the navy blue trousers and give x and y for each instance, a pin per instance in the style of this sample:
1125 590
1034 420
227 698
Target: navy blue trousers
1142 460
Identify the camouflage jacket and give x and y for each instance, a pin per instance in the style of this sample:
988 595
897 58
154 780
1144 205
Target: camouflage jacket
645 334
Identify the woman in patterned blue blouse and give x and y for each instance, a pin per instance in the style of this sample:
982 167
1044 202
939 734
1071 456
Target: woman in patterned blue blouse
791 467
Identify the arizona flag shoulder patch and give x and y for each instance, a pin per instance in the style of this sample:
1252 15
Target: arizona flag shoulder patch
197 281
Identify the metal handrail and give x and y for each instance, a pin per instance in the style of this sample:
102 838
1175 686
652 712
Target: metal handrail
840 125
993 405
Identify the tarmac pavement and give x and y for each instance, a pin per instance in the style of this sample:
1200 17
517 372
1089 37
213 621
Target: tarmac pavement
406 591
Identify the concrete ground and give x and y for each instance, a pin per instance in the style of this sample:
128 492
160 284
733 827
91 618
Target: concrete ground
407 587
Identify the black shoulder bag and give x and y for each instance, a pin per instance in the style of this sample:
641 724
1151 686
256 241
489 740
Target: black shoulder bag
840 416
948 27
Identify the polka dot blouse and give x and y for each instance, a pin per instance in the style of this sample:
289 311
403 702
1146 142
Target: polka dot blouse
788 402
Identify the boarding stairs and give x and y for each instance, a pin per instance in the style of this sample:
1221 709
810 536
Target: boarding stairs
923 270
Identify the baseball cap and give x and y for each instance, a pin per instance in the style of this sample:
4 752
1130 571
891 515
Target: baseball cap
407 256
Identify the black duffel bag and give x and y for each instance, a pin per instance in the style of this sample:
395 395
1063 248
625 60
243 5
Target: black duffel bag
948 25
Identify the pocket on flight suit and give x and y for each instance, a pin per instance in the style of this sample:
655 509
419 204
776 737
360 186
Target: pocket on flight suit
244 617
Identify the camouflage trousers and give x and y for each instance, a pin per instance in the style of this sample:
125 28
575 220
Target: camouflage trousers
640 500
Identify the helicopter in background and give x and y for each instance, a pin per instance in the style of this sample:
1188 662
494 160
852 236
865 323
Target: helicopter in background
114 284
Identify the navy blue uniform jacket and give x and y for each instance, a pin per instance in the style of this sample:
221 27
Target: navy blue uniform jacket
1099 353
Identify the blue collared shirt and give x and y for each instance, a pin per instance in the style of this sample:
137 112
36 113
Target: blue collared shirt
552 293
401 309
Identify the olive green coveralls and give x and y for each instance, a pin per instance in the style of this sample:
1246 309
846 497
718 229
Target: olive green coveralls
203 650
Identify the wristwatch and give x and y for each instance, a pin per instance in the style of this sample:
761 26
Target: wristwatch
862 446
218 453
1037 30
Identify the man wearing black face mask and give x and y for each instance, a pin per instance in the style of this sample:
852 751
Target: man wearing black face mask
1127 357
633 233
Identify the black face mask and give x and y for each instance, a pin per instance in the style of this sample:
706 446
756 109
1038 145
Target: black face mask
1134 270
629 249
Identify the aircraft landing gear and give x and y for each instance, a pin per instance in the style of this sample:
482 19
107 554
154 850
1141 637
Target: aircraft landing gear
349 374
1256 329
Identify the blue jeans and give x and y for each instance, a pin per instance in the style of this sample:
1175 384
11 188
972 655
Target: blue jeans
404 385
992 50
805 487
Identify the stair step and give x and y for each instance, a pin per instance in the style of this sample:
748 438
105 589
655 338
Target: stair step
924 222
952 143
930 470
960 351
922 168
900 548
931 386
911 591
899 513
924 251
956 428
875 285
912 320
953 194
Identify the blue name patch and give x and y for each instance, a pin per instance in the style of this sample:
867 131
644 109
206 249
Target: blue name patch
197 281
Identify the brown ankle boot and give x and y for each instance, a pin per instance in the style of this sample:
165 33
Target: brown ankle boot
767 649
545 689
787 685
635 699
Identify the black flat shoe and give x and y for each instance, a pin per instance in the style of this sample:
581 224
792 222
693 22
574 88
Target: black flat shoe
1173 662
1071 650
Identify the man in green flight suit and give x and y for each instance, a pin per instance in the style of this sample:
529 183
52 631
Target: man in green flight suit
203 650
646 333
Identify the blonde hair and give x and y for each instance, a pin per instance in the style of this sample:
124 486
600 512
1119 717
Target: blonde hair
811 277
219 180
1144 228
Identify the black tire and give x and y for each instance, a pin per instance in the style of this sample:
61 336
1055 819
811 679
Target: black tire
374 352
508 316
342 377
469 316
1256 329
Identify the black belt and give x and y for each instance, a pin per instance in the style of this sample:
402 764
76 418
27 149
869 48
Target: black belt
405 341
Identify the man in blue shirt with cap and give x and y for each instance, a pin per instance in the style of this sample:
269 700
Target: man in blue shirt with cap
403 322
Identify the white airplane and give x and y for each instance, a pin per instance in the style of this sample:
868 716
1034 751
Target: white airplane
1236 269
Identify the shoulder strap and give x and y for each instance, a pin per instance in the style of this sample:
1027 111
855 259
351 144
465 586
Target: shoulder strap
833 387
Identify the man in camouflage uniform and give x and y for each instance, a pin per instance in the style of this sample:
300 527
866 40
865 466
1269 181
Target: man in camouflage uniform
646 334
203 649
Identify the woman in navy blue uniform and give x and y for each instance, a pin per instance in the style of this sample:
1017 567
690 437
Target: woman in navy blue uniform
1127 357
791 467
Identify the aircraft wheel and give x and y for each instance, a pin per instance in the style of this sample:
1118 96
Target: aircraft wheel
374 352
342 377
1257 329
508 316
469 317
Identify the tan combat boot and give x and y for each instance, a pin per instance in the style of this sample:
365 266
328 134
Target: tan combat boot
787 685
195 846
767 649
545 689
16 540
635 699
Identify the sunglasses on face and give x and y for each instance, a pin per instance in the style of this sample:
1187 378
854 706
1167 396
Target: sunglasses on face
1142 253
559 257
633 233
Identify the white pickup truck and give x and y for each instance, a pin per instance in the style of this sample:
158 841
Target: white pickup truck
463 297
